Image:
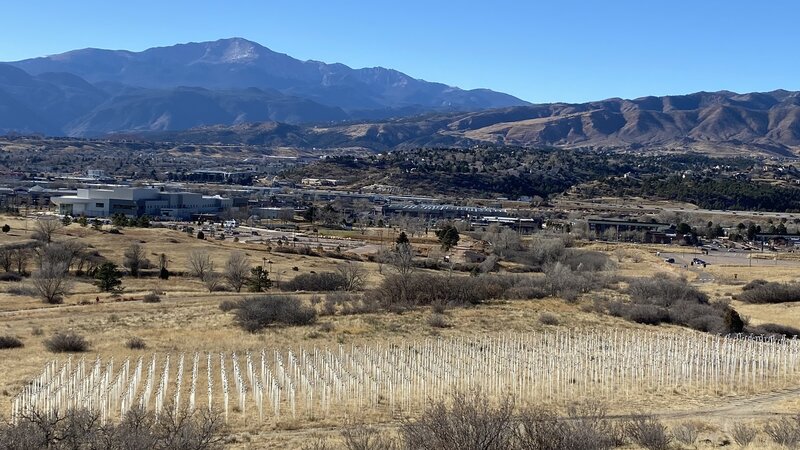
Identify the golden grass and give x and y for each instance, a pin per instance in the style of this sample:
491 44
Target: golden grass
188 318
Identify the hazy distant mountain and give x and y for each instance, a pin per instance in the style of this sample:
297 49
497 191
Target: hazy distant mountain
236 64
767 122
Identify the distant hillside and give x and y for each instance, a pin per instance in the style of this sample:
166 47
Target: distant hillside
762 122
93 92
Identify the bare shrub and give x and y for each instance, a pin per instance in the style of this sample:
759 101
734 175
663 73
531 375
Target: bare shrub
318 443
83 429
363 437
743 434
548 318
237 270
528 288
151 297
754 284
353 275
136 343
329 306
771 293
228 305
784 431
776 329
256 313
66 342
438 321
545 251
465 422
12 277
213 281
648 432
664 290
7 342
319 282
587 260
686 433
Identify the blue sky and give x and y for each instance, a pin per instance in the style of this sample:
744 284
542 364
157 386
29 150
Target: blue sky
560 50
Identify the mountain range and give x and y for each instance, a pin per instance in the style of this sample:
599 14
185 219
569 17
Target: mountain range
92 92
237 91
716 122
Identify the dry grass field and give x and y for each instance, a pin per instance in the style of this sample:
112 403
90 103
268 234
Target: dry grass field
188 319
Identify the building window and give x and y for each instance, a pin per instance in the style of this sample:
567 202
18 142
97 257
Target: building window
98 205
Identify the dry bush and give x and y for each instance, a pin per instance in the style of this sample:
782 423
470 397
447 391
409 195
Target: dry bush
771 293
213 281
686 433
754 284
363 437
66 342
438 321
648 432
464 422
256 313
784 431
353 274
320 282
318 443
12 277
136 343
228 305
529 288
7 342
151 297
743 434
587 260
664 299
548 318
664 290
775 329
82 429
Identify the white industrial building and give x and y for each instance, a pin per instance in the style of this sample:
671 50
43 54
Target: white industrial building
136 202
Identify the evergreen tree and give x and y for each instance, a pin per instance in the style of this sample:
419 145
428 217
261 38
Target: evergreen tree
108 278
402 238
258 280
448 237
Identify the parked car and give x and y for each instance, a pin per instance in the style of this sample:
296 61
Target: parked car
669 260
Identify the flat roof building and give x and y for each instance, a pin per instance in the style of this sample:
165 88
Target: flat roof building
136 202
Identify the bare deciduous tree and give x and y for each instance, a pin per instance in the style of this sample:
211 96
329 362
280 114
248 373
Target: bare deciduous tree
502 239
237 270
200 263
45 228
21 257
402 259
51 281
134 259
6 258
353 274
